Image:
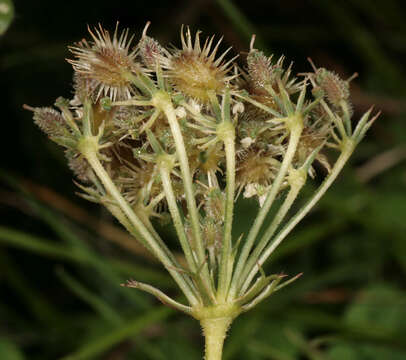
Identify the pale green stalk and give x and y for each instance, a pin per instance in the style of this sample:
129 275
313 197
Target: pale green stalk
226 258
347 149
120 216
159 295
89 150
215 331
179 226
280 215
215 322
176 217
296 126
147 222
161 100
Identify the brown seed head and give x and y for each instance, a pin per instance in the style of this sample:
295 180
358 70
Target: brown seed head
79 165
259 68
255 168
150 50
335 89
103 66
49 121
195 72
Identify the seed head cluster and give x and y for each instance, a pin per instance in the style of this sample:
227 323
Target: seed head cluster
104 68
184 131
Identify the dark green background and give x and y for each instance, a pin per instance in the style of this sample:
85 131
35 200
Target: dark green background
59 278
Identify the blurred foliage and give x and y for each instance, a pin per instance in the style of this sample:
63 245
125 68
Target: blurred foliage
6 15
62 260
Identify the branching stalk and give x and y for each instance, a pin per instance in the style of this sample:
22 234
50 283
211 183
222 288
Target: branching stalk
296 130
283 210
348 148
91 156
159 295
226 258
164 103
176 217
179 227
123 137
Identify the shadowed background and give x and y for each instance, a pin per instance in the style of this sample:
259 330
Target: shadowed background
62 259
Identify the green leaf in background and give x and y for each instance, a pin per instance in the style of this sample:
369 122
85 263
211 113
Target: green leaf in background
380 306
129 330
9 351
364 352
6 15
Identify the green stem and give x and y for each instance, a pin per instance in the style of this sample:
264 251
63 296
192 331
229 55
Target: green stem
120 216
177 220
89 150
165 299
226 258
280 215
215 330
348 148
179 227
162 101
296 127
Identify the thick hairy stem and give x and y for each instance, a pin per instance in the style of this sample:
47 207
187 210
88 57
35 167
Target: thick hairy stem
89 151
348 148
296 126
215 331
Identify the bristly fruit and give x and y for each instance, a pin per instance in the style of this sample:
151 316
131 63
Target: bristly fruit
150 51
104 66
195 71
48 120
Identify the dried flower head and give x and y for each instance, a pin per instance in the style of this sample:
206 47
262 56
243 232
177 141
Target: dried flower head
195 71
103 67
49 120
150 50
79 166
255 168
260 68
263 73
173 138
336 89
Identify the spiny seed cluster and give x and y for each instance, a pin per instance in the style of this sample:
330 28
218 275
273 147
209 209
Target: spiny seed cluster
110 72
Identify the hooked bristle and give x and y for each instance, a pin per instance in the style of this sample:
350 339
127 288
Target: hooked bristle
195 71
104 66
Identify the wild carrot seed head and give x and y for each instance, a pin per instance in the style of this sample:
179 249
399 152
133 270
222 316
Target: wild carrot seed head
195 71
103 66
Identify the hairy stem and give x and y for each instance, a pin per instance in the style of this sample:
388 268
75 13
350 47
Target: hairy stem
180 229
163 101
215 330
348 148
296 126
280 215
88 149
177 220
226 259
